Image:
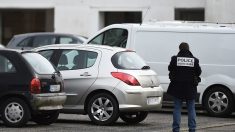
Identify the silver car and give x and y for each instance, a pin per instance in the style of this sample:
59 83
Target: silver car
105 82
29 41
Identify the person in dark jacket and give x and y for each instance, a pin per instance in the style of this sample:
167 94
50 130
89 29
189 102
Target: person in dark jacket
184 72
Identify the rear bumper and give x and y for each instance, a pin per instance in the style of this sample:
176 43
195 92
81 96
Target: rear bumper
137 99
48 101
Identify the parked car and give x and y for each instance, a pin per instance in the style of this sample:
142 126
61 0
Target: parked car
32 40
30 87
105 82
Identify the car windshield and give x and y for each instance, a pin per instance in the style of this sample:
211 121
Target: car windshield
128 61
40 64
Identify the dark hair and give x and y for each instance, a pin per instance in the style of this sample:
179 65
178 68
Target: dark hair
184 46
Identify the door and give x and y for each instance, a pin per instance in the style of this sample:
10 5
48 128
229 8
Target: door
79 69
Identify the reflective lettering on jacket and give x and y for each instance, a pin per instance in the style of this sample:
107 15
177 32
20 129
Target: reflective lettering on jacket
184 61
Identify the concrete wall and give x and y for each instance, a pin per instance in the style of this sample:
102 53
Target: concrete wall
221 11
85 17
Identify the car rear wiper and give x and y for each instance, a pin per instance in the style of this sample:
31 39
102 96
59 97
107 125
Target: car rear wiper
145 67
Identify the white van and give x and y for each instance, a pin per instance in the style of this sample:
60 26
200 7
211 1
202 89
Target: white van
212 44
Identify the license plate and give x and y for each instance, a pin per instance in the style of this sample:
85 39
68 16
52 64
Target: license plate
153 100
54 88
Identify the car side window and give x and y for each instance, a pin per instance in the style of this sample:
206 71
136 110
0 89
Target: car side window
46 53
67 40
43 40
6 65
113 37
26 43
76 59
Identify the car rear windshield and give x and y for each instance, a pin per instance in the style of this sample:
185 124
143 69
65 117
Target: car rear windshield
40 64
128 61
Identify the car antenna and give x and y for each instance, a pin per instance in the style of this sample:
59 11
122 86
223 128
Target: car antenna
145 15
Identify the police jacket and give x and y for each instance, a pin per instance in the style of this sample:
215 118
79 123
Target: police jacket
184 72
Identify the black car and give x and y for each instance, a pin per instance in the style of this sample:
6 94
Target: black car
30 88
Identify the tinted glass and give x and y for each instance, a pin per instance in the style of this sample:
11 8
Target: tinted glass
25 43
76 59
68 40
6 66
112 37
98 39
40 64
43 40
46 53
128 60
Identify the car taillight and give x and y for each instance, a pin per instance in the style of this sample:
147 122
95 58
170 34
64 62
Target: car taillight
127 78
35 86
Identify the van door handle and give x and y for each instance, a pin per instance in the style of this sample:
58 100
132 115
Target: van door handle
85 74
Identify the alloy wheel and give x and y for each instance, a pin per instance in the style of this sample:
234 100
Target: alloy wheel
102 109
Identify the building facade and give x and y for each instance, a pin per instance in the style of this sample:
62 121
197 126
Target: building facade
85 17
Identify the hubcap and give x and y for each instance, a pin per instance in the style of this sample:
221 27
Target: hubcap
218 102
14 112
102 109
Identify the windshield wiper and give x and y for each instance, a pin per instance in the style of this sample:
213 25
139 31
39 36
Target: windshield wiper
145 67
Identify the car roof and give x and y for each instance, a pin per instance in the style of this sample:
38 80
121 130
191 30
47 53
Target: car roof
42 33
81 46
15 50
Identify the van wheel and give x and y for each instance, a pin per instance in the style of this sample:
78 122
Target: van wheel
219 102
46 117
103 109
133 118
15 112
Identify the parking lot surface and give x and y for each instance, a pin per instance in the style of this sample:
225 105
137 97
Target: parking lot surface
155 122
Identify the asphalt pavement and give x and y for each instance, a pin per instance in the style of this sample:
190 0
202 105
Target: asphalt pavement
155 122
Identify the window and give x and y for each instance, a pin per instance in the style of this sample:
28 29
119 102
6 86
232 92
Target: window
6 66
190 14
46 53
43 40
40 64
128 60
26 43
67 40
122 17
76 59
112 37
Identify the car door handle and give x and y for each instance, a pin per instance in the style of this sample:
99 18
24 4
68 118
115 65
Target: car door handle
85 74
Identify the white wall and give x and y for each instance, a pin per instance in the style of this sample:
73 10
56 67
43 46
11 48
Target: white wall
83 16
221 11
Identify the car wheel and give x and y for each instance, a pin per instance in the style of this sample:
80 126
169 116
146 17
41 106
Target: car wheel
15 112
133 118
103 109
219 102
46 117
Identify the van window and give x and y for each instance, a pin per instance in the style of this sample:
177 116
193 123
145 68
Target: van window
113 37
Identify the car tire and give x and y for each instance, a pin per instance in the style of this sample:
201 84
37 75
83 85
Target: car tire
46 117
133 118
218 102
15 112
103 109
